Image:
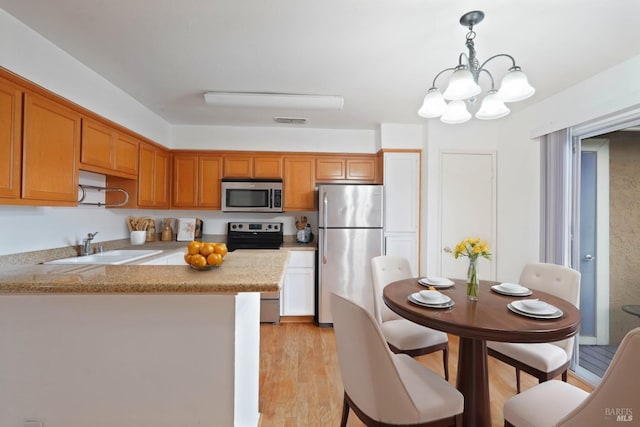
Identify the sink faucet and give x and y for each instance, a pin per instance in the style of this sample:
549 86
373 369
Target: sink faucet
86 244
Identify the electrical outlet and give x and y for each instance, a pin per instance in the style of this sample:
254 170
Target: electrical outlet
32 423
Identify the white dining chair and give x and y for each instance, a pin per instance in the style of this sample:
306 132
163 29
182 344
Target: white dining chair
614 402
542 360
402 335
383 388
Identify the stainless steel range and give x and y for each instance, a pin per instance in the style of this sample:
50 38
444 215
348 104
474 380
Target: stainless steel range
258 235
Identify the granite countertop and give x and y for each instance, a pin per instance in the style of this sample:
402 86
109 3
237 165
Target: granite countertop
242 271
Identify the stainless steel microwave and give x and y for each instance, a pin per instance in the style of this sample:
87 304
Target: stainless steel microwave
251 195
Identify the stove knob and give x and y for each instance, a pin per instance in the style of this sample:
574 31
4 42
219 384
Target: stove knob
233 226
239 225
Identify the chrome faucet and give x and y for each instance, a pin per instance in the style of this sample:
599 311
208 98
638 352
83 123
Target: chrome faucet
86 244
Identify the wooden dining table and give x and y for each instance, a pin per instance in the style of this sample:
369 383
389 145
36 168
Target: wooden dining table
476 322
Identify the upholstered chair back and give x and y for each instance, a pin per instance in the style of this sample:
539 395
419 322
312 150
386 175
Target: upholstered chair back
384 270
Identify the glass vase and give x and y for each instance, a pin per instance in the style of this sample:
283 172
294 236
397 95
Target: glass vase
473 284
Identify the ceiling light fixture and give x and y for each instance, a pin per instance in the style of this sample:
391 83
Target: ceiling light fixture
274 100
463 85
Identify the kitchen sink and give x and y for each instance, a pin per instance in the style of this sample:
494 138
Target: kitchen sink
115 257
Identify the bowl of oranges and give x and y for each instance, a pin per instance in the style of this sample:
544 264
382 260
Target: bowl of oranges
205 255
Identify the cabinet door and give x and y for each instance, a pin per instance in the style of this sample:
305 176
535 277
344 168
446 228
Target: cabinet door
50 150
126 155
404 245
10 132
238 166
185 181
97 145
330 169
267 167
161 179
361 169
299 184
209 176
401 192
299 285
146 176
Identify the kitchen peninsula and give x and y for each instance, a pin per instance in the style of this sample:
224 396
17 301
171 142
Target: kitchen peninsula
134 345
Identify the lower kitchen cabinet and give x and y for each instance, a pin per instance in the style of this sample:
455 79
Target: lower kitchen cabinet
297 296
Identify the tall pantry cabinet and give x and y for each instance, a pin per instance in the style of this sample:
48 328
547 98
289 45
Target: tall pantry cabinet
402 206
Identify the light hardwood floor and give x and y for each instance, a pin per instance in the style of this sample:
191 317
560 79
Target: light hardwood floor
300 381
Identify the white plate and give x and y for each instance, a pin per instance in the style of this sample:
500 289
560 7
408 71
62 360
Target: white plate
441 299
522 293
544 310
416 299
549 311
436 282
555 315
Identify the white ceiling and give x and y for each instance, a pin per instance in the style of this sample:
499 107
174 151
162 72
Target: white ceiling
381 55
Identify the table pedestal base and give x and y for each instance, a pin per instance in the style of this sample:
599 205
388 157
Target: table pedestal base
473 382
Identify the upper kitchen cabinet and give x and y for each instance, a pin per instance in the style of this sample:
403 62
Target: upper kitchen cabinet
153 177
107 151
252 166
299 183
50 152
196 180
348 168
10 143
151 189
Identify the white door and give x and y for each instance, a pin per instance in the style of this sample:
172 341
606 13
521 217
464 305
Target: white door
467 209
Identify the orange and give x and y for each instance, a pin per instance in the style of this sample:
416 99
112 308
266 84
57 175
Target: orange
214 259
206 249
187 258
221 249
194 247
198 260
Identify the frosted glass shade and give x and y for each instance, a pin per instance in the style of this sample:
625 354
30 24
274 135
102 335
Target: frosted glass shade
456 113
492 107
433 105
515 86
461 85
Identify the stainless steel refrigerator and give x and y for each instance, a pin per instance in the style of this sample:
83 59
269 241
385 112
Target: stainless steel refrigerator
349 235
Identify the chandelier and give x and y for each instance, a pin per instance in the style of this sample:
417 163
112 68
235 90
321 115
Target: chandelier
463 85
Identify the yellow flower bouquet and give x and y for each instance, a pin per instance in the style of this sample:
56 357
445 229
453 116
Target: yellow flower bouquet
472 249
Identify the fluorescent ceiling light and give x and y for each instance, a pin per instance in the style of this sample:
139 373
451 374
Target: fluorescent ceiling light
274 100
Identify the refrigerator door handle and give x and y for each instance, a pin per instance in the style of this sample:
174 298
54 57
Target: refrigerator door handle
325 202
384 246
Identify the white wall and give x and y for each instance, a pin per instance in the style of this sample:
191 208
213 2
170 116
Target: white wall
274 139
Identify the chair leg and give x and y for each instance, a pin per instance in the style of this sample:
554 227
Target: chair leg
517 380
445 362
345 411
564 375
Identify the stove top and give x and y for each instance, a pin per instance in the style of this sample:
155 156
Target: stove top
254 235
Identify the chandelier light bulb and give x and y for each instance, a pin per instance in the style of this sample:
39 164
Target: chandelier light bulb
461 85
456 113
492 107
434 104
515 86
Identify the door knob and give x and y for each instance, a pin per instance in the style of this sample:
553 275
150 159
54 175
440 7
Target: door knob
589 257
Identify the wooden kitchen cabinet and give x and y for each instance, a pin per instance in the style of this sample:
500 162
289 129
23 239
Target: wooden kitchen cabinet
50 151
299 184
153 177
347 168
252 166
106 151
10 139
196 181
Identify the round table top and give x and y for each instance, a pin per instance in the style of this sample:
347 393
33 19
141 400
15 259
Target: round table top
632 309
485 319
